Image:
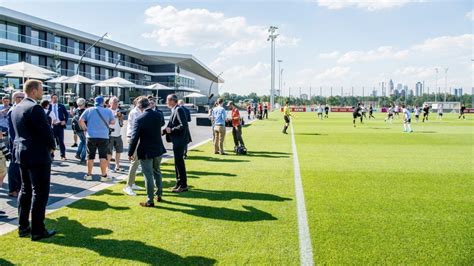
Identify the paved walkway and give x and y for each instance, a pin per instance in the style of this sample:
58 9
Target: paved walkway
67 176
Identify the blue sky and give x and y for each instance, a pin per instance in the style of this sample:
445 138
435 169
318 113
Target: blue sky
323 43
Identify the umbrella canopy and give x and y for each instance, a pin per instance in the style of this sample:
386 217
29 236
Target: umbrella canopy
10 89
115 82
26 68
78 79
57 80
32 75
195 95
158 86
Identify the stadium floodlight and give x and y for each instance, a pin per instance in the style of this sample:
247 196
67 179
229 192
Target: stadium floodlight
271 37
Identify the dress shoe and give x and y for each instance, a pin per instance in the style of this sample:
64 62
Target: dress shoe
180 189
159 199
24 232
45 234
74 145
63 158
146 204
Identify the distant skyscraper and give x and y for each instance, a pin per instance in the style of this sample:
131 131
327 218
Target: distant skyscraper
458 92
374 93
390 87
399 87
419 89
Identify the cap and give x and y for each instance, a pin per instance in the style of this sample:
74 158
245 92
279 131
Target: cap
99 100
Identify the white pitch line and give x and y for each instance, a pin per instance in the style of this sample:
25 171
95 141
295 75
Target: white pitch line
306 249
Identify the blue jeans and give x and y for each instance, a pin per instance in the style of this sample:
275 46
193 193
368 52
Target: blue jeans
81 149
152 172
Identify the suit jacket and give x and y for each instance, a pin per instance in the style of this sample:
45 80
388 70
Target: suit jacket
178 123
33 135
147 135
63 114
188 113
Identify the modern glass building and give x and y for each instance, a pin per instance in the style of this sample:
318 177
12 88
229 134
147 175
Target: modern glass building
60 48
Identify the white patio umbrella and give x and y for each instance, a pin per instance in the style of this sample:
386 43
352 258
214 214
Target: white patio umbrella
158 86
78 79
57 80
115 82
23 69
194 95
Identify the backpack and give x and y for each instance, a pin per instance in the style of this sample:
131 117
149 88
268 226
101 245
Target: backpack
240 150
75 122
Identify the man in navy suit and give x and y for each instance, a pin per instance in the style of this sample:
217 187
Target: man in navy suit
177 132
58 128
188 118
33 145
147 136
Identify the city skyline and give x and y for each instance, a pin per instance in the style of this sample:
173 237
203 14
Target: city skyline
328 43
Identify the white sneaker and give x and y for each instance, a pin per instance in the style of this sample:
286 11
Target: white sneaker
88 177
128 190
137 187
105 179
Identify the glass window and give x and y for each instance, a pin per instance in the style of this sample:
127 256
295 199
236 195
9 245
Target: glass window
12 32
57 43
92 72
92 51
3 58
13 57
97 53
106 55
106 73
35 37
3 30
35 60
76 48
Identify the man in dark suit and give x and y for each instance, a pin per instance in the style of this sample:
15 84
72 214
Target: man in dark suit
33 144
177 132
58 128
147 136
188 118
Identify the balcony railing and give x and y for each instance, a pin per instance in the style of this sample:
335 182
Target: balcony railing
66 49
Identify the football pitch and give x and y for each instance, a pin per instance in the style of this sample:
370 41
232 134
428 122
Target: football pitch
374 195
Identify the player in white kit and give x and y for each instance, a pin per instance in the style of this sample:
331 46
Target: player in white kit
406 119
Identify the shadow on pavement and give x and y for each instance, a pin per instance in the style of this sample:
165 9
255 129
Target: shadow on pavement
72 233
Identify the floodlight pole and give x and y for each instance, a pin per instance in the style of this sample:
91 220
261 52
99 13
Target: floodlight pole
445 82
82 56
271 37
436 69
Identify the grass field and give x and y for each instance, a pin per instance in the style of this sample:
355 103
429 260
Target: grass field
374 195
377 195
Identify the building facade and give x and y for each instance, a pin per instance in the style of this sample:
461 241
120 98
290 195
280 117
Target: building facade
60 49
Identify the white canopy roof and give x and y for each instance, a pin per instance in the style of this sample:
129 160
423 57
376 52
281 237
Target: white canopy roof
57 80
115 82
26 70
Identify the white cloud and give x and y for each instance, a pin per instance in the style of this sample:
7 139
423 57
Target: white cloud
203 29
381 53
416 72
330 55
256 77
370 5
446 44
470 15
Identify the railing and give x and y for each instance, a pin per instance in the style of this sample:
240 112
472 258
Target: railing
66 49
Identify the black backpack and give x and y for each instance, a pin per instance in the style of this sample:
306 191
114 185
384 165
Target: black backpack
240 150
75 121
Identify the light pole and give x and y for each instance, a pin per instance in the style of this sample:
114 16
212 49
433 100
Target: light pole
210 87
271 37
82 56
445 82
436 69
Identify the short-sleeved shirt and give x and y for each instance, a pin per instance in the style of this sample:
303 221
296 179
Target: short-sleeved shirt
219 116
235 117
407 113
286 111
96 128
117 128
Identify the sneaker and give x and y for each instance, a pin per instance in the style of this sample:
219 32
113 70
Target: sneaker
74 145
135 187
105 179
77 157
128 190
88 177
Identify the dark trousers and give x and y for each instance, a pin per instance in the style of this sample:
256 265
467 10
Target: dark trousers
58 131
35 182
237 134
265 114
14 176
179 165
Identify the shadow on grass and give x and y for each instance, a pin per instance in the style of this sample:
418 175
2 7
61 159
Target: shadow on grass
4 262
379 128
196 173
425 132
72 233
95 205
250 214
213 159
227 195
311 134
